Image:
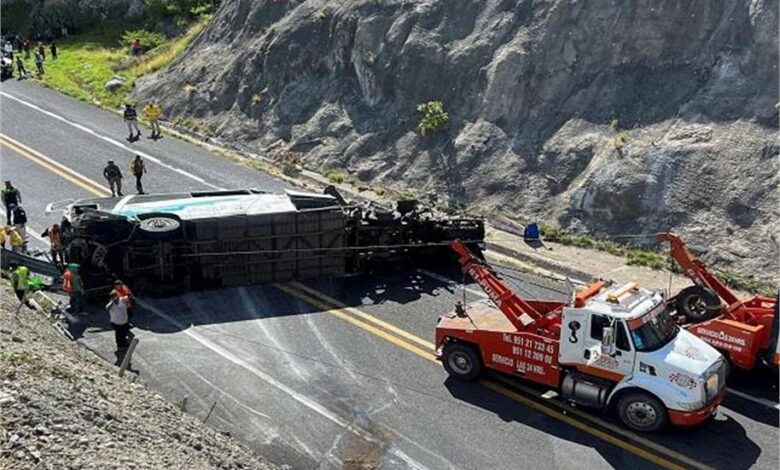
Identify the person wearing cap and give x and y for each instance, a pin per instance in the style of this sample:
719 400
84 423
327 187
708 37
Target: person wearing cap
10 195
113 175
117 314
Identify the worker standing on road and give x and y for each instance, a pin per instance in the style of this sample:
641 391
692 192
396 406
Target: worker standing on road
10 195
55 242
72 284
113 174
138 168
117 314
124 292
131 118
152 112
19 219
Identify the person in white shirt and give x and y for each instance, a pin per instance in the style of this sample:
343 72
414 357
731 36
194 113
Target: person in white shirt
117 313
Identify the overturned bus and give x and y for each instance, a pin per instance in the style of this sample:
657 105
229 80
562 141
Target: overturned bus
165 244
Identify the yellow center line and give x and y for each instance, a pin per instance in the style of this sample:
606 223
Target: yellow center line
366 316
54 167
334 307
342 313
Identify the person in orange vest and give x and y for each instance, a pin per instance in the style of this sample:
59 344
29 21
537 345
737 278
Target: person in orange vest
55 242
73 285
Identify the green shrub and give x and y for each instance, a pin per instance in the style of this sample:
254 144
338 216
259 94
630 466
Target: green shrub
433 117
12 358
335 176
149 39
161 10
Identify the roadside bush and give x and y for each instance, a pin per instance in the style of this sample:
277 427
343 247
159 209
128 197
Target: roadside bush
149 39
160 10
433 117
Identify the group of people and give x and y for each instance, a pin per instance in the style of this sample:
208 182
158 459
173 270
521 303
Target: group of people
152 113
119 307
113 175
15 47
15 230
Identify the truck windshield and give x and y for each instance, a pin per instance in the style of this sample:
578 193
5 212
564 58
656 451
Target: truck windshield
653 330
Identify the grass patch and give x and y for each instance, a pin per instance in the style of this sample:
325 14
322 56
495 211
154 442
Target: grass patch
12 358
335 176
87 61
653 259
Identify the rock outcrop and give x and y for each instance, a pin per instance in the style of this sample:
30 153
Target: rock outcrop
605 117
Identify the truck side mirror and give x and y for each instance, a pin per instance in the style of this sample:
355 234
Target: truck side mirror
608 341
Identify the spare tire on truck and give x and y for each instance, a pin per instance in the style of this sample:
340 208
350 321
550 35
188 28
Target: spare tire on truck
160 226
698 304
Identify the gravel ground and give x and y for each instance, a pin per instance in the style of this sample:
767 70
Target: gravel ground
63 407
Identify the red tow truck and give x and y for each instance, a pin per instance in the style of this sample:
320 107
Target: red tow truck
744 330
610 348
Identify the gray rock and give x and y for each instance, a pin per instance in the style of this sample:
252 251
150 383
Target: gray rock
531 89
114 84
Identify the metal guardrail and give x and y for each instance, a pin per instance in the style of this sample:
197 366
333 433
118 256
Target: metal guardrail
39 266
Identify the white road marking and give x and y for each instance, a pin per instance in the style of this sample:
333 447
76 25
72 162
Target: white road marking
112 141
760 401
302 399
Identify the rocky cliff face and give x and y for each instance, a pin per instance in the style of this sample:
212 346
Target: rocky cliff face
603 116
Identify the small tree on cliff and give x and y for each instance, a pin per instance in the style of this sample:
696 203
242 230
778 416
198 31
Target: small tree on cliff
433 117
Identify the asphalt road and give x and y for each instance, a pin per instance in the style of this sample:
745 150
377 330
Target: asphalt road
334 372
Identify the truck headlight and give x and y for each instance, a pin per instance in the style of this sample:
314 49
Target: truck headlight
712 385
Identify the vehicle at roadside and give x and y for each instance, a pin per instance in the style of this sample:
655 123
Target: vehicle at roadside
745 330
611 348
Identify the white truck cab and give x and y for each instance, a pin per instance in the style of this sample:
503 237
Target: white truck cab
624 349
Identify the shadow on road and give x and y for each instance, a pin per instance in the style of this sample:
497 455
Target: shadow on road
721 442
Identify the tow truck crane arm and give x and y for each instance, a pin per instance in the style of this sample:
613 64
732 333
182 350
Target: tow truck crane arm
519 312
695 269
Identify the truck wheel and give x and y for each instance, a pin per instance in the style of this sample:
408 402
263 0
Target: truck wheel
159 226
461 362
642 412
698 304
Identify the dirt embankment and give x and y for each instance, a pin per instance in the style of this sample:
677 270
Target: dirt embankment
61 407
603 117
